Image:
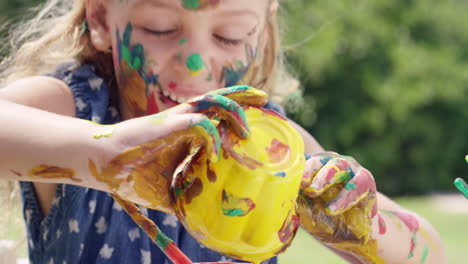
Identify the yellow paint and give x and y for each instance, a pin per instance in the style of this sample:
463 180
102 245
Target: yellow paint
142 174
107 133
349 231
428 238
254 236
53 172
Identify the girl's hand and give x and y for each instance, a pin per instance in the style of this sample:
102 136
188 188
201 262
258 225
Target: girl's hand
147 150
337 203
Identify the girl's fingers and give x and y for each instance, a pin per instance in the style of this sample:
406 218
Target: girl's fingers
312 165
217 106
244 95
360 187
335 171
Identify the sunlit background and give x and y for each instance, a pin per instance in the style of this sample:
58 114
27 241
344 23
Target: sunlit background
383 81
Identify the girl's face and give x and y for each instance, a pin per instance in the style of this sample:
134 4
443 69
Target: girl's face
168 51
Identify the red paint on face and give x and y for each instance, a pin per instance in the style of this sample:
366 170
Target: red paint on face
152 106
172 85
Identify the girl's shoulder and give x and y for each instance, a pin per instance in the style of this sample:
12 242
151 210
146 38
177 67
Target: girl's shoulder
41 92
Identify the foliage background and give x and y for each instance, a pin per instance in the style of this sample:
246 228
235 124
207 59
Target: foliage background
384 81
387 83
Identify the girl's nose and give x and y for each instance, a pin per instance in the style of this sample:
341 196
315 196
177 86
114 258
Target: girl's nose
193 61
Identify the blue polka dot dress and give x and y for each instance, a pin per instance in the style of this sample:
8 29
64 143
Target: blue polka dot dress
88 226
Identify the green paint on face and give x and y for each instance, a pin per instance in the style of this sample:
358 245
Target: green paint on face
182 41
191 4
209 78
424 256
350 186
194 62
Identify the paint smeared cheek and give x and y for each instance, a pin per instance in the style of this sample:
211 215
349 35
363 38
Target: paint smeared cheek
53 172
233 72
137 83
200 4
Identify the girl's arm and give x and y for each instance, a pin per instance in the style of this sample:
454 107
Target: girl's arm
40 146
401 236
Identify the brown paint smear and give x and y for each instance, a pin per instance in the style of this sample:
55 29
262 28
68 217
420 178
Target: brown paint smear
228 140
150 166
133 90
52 172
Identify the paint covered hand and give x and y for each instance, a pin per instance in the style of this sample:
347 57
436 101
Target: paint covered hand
148 149
337 203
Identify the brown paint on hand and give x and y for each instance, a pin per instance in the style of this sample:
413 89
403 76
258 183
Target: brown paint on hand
349 231
195 189
53 172
149 166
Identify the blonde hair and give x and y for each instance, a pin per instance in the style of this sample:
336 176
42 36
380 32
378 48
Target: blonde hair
54 36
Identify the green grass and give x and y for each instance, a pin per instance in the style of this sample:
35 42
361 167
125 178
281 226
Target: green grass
305 250
452 227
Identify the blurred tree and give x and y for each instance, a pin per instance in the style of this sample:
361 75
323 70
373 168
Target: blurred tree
387 83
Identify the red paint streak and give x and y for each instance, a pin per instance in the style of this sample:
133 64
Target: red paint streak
278 151
152 107
172 85
274 113
382 226
289 228
16 173
410 221
175 255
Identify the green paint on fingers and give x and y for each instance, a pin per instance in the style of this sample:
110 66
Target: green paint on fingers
350 186
424 256
462 186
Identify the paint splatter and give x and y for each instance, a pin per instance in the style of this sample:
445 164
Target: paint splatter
172 85
424 256
53 172
232 73
411 222
234 206
289 227
200 4
278 151
107 133
133 78
182 41
382 225
350 186
281 174
194 64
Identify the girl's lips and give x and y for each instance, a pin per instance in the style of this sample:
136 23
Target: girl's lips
166 100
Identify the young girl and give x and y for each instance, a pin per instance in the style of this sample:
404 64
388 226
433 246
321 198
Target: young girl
119 62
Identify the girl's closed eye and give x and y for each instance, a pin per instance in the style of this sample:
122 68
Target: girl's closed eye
233 41
159 33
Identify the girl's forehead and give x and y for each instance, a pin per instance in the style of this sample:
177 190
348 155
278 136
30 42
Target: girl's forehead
197 5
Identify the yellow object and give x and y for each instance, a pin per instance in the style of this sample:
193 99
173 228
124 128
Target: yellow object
244 206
